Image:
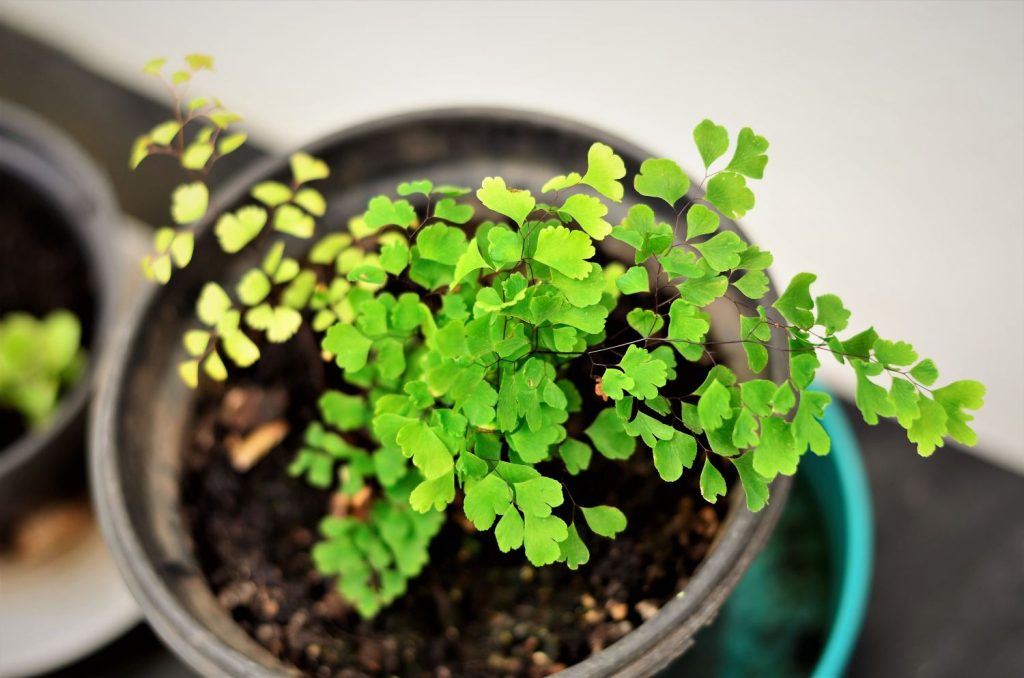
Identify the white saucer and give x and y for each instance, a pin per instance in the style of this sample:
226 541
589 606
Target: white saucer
55 611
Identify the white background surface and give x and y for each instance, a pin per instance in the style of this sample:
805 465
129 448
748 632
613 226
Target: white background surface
897 129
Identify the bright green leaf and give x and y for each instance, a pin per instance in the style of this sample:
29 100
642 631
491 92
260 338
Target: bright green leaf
240 348
394 257
776 453
513 203
712 141
349 345
469 261
271 193
753 284
647 373
755 487
671 456
451 211
565 251
253 287
604 169
749 158
795 304
703 291
236 230
904 398
894 353
806 429
196 156
188 202
606 521
609 436
573 551
588 211
635 281
212 304
486 500
199 62
541 539
614 382
663 179
311 200
509 531
872 400
231 142
165 132
307 168
575 454
712 483
714 406
537 496
381 212
645 321
929 428
562 182
429 454
641 231
744 429
441 243
729 193
831 313
925 372
700 221
722 252
434 494
955 398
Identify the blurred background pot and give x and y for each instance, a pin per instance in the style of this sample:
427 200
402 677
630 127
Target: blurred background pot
143 416
60 247
54 198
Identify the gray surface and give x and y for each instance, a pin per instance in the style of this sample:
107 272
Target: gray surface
948 591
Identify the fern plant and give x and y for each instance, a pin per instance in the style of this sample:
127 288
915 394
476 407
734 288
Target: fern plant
456 314
40 358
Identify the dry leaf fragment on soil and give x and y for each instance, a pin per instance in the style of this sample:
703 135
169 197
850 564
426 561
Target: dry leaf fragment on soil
253 447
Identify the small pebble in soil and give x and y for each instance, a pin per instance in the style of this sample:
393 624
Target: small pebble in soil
646 609
247 451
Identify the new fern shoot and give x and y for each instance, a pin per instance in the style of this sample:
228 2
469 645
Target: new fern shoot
456 314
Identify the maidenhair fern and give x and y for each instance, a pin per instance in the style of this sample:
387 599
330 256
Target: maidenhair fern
39 359
454 316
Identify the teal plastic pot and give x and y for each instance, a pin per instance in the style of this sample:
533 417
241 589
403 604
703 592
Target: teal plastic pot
799 608
840 485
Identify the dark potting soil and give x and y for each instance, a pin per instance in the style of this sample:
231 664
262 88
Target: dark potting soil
42 269
474 611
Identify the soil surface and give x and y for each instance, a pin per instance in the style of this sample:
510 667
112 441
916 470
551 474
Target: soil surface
473 611
41 269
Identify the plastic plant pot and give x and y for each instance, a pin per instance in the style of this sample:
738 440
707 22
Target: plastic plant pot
44 171
143 415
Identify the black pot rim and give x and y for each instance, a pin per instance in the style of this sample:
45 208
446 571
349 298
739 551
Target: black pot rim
641 652
46 159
